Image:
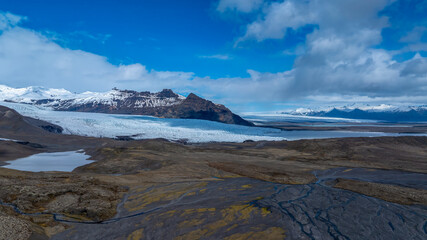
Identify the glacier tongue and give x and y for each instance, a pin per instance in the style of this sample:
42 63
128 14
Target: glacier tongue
192 130
145 127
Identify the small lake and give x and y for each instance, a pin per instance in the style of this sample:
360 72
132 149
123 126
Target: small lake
44 162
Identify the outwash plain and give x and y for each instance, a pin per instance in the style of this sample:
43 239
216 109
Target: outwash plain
349 188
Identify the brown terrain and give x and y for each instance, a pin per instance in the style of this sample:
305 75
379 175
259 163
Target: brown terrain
156 189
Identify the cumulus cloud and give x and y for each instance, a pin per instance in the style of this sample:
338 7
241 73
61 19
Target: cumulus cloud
340 57
30 58
340 61
343 16
414 35
278 18
245 6
8 20
415 68
414 40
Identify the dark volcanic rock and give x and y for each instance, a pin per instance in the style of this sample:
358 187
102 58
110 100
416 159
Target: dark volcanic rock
164 104
194 107
30 144
12 121
50 127
124 138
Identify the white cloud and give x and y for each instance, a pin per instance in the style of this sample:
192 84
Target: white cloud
343 16
8 20
30 58
416 68
277 19
217 56
339 61
414 35
414 40
416 47
245 6
97 37
340 55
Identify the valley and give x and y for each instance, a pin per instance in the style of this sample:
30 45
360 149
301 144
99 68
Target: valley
155 188
213 120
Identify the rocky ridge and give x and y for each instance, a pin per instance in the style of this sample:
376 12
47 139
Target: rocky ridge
164 104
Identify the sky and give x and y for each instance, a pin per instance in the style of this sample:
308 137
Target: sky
251 55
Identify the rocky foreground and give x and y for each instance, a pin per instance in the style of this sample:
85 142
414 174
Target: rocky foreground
354 188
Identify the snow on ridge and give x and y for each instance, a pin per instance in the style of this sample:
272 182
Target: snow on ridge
64 98
28 94
354 106
280 117
146 127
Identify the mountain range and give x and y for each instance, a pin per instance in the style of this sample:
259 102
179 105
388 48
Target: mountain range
167 104
383 112
164 104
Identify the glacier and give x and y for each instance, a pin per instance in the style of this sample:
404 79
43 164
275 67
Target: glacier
147 127
284 117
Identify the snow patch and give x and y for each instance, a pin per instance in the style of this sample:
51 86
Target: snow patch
61 98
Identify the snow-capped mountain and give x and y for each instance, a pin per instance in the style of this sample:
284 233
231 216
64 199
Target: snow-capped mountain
145 127
60 99
26 95
382 112
166 103
351 107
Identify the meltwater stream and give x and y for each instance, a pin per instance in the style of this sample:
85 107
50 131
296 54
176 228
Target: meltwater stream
311 211
56 161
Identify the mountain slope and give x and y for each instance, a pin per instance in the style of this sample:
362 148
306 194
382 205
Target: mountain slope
164 104
11 122
413 115
381 112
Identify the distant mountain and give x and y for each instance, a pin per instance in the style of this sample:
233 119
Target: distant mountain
389 116
388 113
164 104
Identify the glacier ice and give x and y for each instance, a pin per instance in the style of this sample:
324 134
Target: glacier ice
146 127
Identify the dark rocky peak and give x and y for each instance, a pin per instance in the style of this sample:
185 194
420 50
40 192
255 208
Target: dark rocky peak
7 113
167 93
13 122
196 101
126 91
334 111
144 93
193 96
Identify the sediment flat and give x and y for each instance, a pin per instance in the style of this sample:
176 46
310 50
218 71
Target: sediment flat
348 188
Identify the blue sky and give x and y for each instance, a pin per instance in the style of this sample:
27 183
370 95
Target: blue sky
252 55
162 34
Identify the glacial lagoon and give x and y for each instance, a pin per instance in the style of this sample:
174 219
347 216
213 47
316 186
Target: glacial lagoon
54 161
